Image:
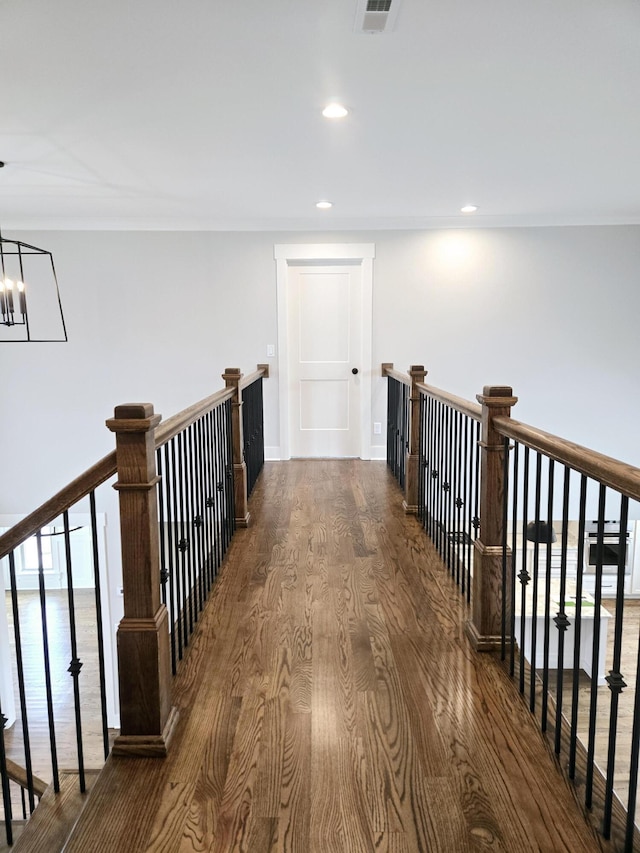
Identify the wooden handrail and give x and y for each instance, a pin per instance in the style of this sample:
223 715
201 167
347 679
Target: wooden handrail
177 423
389 370
106 467
19 775
473 410
261 373
62 500
609 471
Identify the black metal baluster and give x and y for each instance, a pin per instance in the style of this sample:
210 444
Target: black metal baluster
193 525
75 664
630 829
164 575
260 427
202 566
219 484
524 575
547 602
440 479
561 620
213 498
183 543
460 561
431 465
213 491
21 682
171 551
505 516
204 499
476 488
422 466
47 666
209 486
577 634
446 488
514 552
99 628
6 790
593 708
466 507
389 422
191 551
534 598
614 679
175 485
245 395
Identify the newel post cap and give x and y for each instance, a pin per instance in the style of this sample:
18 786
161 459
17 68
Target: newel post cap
133 417
497 395
232 376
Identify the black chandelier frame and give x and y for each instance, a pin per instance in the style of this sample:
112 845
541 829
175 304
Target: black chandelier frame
18 315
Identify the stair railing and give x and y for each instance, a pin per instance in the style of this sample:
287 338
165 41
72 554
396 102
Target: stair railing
183 487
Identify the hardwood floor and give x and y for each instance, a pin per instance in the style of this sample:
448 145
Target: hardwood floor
331 702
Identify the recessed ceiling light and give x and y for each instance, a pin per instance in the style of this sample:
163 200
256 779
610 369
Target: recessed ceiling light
335 111
469 208
324 205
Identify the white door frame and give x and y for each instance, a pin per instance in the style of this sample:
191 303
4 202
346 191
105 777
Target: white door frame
286 254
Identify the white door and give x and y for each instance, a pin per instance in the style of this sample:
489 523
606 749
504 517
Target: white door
325 359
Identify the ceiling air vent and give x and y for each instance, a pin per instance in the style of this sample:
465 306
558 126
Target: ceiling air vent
376 16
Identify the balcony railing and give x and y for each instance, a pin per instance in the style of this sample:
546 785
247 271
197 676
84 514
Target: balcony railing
507 506
183 488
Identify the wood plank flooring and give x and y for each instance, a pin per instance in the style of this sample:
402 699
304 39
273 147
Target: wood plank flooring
331 702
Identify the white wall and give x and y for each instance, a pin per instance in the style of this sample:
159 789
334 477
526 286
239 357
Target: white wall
158 316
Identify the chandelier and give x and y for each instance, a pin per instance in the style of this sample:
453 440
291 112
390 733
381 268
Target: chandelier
30 305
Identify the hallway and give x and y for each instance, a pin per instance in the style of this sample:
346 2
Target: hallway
331 701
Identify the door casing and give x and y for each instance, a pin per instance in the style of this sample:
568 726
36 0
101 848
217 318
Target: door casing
288 254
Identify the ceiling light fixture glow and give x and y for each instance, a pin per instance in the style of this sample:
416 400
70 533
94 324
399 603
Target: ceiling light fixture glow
324 205
335 111
469 208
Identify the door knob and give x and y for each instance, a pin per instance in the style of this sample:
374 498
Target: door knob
354 370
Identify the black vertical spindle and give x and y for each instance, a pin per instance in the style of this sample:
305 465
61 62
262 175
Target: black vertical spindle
505 516
21 682
171 552
524 576
547 601
6 790
535 579
593 707
614 679
47 666
75 664
179 555
514 552
577 634
99 629
561 620
630 829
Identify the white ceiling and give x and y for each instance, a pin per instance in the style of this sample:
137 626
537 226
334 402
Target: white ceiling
204 114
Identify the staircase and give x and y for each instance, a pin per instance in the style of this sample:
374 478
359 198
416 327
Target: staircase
51 823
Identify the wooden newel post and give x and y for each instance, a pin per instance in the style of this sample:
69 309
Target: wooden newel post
485 628
146 716
232 377
410 503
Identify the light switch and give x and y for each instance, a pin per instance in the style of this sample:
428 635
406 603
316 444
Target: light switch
271 350
377 428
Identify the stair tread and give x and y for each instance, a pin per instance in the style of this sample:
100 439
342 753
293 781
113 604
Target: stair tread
55 816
